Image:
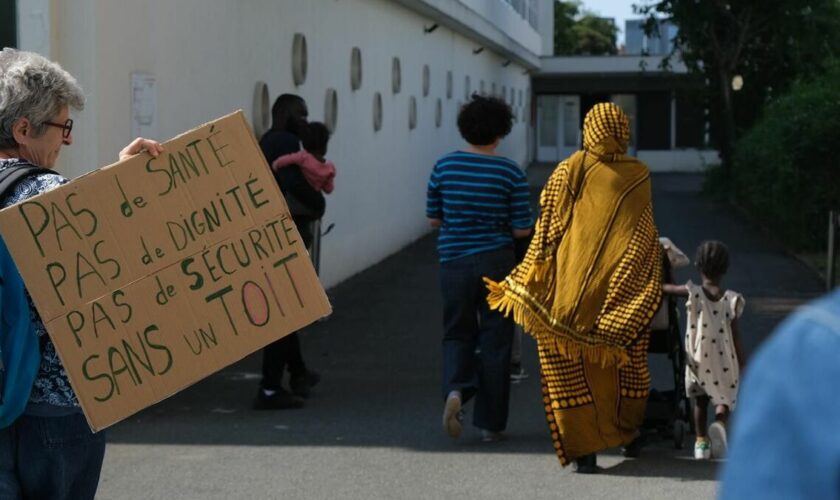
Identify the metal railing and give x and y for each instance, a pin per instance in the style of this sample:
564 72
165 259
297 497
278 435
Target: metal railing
315 247
831 264
527 10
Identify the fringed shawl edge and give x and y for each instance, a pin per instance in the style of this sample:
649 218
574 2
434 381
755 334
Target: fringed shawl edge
528 313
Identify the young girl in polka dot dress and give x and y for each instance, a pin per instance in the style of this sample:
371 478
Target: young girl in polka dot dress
714 355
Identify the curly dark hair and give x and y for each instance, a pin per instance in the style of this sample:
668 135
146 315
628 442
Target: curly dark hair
712 259
315 137
484 119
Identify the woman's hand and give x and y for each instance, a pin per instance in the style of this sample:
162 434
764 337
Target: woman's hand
139 145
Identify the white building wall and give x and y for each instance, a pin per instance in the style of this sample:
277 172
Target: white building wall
208 55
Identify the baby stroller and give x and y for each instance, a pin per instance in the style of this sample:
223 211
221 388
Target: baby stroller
668 411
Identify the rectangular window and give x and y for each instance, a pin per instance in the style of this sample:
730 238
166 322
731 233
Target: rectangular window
691 120
549 121
654 126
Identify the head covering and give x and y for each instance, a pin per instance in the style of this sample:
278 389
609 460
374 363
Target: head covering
606 131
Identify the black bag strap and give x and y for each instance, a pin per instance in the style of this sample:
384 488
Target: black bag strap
10 176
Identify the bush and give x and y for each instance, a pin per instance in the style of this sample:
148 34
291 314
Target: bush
787 167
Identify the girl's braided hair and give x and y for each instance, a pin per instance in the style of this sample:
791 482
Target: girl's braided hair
712 258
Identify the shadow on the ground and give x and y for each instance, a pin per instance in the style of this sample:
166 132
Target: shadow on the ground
379 355
664 463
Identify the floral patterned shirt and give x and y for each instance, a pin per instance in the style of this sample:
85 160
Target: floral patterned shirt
51 385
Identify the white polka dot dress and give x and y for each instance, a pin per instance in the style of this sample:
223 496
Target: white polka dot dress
711 362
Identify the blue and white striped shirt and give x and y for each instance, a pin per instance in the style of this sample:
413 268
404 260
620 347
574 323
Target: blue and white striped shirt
480 200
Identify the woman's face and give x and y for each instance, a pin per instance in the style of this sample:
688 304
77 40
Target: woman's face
44 149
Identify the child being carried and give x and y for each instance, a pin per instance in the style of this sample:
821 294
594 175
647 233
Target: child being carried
319 172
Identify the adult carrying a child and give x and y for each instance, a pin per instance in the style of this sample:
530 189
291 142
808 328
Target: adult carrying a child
306 204
587 290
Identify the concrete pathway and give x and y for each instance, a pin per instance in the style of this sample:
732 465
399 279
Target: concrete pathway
372 428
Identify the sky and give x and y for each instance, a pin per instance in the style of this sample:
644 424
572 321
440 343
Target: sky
620 10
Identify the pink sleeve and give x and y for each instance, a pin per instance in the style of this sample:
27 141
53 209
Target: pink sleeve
329 185
289 159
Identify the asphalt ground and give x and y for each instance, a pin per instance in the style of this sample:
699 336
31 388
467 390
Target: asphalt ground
372 428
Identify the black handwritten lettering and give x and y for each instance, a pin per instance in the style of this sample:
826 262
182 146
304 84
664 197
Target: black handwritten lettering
56 280
93 378
76 321
274 295
147 257
99 315
284 262
204 339
124 306
234 193
151 170
218 149
147 333
103 261
57 214
185 268
135 359
253 193
288 227
220 294
40 213
77 213
82 272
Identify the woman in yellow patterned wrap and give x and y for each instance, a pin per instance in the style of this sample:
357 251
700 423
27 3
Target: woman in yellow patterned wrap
588 289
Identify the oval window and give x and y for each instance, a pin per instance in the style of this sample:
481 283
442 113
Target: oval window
377 111
261 109
412 113
396 75
299 59
331 110
356 69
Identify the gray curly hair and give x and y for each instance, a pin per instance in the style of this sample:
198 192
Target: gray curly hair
35 88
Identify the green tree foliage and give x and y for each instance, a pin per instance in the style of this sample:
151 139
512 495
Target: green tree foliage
769 43
787 165
578 32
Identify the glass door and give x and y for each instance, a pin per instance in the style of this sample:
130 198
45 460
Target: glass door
558 123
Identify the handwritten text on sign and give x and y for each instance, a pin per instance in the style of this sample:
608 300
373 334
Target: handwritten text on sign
153 273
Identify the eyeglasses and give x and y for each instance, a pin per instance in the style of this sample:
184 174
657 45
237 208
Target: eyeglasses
66 126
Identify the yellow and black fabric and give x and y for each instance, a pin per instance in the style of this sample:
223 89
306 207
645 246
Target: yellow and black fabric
588 288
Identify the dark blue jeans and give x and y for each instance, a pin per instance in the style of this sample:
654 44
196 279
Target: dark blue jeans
469 325
50 458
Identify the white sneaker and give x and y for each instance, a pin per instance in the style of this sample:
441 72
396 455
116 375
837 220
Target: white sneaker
452 415
717 436
702 450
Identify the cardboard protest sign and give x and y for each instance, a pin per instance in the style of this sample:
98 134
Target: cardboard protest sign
151 274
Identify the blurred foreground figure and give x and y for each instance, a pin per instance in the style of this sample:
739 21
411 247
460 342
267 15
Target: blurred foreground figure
785 442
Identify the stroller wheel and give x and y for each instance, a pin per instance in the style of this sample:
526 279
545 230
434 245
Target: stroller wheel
680 429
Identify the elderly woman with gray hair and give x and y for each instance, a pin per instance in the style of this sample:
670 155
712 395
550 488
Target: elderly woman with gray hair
49 450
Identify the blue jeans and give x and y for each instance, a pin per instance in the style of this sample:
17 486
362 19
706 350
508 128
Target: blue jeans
469 325
53 458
